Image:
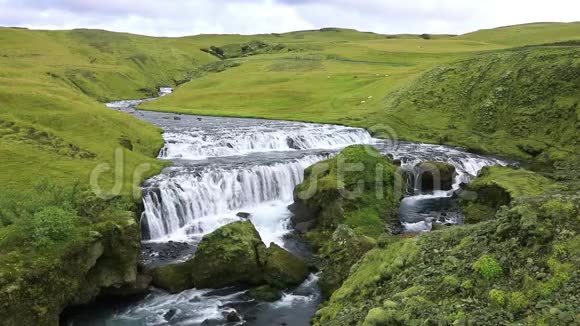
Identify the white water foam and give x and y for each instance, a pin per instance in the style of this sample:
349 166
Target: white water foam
205 200
200 143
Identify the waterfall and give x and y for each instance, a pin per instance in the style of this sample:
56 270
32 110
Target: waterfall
200 143
199 199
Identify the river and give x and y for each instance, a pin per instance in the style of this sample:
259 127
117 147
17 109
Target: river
225 166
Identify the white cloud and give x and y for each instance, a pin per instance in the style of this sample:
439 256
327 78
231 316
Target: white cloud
187 17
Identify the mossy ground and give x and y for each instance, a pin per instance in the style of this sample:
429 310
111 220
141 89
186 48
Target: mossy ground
517 268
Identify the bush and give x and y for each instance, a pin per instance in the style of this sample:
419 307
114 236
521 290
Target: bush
488 267
51 224
518 302
498 297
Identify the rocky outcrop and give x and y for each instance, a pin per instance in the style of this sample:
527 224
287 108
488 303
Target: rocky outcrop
431 175
234 255
101 262
342 206
498 186
334 193
175 277
343 250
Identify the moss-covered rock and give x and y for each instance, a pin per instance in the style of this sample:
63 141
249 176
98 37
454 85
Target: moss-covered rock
175 277
496 186
282 269
432 175
234 255
265 293
337 256
355 188
229 255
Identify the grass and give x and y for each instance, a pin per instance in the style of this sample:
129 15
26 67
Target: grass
473 90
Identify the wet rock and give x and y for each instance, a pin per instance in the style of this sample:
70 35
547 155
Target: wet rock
176 118
434 176
198 119
292 143
243 215
170 314
233 317
282 269
174 278
137 288
339 254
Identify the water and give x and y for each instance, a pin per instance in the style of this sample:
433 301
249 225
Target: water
225 166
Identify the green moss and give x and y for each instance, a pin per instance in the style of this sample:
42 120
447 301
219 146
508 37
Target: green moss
282 269
498 297
497 186
488 267
451 281
380 316
265 293
227 256
175 277
344 249
355 188
459 275
518 301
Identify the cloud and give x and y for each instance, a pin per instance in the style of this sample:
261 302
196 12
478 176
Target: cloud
187 17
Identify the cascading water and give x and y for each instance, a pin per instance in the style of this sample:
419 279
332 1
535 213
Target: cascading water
223 166
210 141
418 210
195 198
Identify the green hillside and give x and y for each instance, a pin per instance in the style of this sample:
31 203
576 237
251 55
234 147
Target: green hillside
527 34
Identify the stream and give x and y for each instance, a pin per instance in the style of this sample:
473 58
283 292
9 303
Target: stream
226 167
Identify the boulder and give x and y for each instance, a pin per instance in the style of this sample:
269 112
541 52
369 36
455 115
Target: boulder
282 269
234 255
433 175
265 293
174 278
243 215
338 255
228 256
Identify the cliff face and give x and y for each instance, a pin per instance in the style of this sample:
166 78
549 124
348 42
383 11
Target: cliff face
344 204
99 259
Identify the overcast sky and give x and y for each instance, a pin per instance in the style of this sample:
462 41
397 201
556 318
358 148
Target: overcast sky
188 17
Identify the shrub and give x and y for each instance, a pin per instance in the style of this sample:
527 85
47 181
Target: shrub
51 224
488 267
498 297
518 302
451 281
379 316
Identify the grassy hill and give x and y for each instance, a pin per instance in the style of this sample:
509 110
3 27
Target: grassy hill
527 34
472 90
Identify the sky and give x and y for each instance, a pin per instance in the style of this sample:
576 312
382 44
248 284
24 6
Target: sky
191 17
